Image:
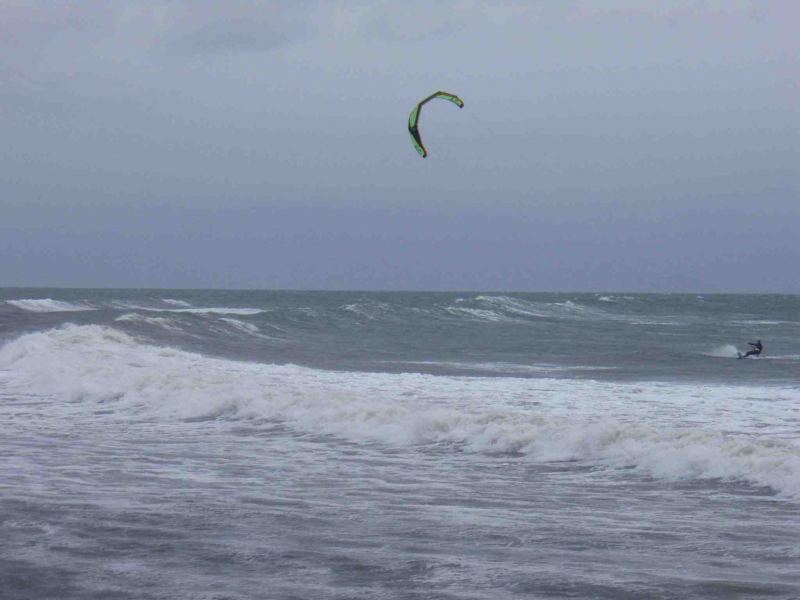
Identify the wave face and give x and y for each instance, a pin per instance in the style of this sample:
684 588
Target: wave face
615 425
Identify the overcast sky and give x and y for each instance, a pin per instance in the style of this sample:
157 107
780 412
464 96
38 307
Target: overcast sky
637 146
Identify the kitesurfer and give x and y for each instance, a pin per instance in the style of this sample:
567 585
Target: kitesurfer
756 349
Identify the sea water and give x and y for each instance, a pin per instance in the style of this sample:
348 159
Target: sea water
250 444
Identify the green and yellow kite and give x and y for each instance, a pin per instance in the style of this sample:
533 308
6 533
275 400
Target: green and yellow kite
413 118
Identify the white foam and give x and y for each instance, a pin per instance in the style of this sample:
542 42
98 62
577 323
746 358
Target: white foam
560 310
241 325
477 313
369 310
218 311
500 367
724 351
514 305
200 311
181 303
44 305
764 322
664 430
165 323
611 298
503 306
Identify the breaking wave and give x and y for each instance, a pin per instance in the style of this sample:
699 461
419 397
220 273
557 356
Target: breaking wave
168 324
173 302
509 308
612 425
214 310
369 310
44 305
241 325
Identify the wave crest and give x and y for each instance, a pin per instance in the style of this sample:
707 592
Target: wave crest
43 305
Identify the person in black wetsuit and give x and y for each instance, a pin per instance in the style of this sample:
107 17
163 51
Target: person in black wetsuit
756 349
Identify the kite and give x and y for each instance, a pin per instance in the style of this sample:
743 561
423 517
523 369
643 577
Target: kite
413 118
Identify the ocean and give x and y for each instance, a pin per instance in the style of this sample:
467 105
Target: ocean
174 444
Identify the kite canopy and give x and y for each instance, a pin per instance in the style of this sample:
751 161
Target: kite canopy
413 118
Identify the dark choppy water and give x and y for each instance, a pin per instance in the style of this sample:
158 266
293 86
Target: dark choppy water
221 444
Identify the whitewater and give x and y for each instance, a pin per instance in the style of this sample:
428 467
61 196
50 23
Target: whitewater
224 444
